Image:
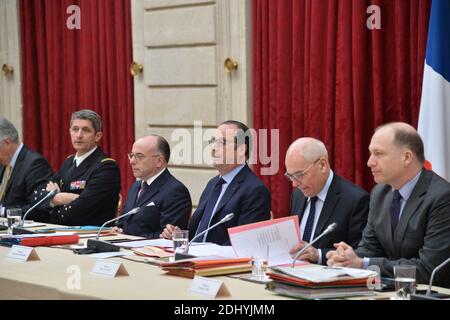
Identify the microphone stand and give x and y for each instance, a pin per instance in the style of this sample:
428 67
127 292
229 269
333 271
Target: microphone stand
432 295
330 228
185 254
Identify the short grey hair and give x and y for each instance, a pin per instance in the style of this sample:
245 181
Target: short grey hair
7 130
87 114
313 150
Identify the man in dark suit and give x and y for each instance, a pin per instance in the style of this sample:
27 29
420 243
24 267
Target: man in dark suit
235 190
162 198
321 198
88 183
21 170
409 218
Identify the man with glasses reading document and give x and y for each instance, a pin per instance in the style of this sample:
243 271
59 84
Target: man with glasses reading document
321 198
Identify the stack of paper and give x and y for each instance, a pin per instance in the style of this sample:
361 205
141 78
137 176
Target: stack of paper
207 266
314 281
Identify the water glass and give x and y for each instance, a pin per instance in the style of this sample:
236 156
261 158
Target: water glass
405 281
14 216
180 240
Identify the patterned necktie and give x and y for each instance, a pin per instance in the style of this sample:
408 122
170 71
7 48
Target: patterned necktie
207 214
310 222
395 209
144 188
6 174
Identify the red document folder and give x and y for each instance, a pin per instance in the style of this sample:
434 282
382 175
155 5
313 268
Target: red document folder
49 240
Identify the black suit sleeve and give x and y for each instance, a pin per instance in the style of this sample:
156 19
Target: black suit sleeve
175 211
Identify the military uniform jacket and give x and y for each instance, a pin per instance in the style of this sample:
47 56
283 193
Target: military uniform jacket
96 180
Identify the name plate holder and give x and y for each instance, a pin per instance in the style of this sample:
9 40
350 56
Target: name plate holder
22 253
209 287
110 269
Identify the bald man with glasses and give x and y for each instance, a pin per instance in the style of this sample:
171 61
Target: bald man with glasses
320 198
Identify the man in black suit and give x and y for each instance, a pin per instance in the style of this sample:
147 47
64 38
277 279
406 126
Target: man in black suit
321 198
88 182
162 198
235 190
409 218
21 170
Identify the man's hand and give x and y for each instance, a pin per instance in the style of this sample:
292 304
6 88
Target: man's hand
311 254
117 230
64 198
167 232
53 186
344 256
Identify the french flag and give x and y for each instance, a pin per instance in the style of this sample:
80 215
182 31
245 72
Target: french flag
434 116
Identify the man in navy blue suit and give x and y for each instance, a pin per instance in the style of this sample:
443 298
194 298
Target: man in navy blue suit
320 198
235 190
162 198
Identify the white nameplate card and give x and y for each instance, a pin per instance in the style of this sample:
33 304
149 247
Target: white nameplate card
209 287
109 268
23 253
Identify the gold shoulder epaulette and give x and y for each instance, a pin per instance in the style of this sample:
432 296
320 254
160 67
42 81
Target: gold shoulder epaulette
108 159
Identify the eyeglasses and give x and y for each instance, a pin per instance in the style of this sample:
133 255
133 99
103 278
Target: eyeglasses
297 176
139 156
220 141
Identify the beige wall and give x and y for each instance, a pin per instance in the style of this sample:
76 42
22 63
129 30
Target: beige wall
182 45
10 86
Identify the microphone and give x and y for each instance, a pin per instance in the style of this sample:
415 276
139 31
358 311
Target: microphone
184 255
96 245
432 295
21 229
329 229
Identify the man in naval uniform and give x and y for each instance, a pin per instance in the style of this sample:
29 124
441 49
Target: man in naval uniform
88 182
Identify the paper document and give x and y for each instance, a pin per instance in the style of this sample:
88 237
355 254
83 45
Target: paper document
211 249
144 243
32 224
268 240
316 273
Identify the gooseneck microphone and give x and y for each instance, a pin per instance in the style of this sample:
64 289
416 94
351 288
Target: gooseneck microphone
96 245
21 229
329 229
129 213
49 195
432 295
185 254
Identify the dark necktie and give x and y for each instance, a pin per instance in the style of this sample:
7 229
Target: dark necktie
395 209
310 222
144 188
207 214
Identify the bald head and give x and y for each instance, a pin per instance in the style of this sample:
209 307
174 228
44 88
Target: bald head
404 136
309 149
307 165
151 156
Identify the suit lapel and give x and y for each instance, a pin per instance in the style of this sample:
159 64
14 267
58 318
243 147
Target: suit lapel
331 200
386 225
411 206
234 185
17 167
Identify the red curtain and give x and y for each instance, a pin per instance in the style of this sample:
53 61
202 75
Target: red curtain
67 70
320 72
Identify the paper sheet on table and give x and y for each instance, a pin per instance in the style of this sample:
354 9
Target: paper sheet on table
211 249
32 224
269 240
105 255
144 243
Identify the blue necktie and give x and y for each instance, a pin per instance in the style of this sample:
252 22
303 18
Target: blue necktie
310 222
207 214
395 209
